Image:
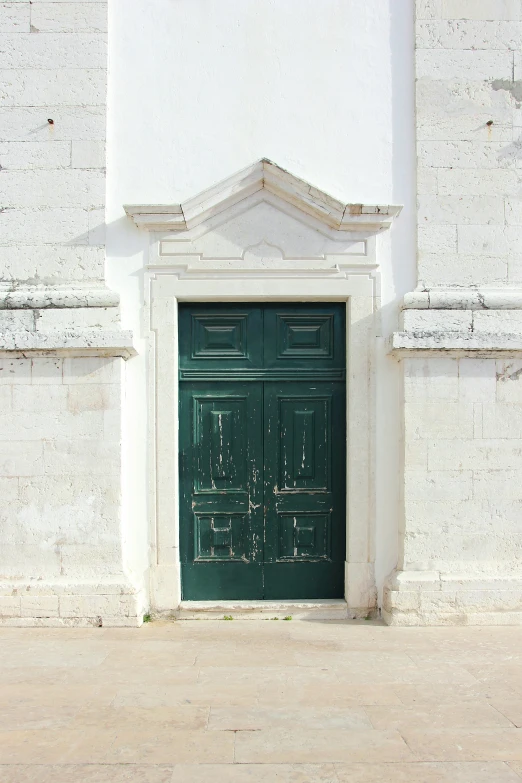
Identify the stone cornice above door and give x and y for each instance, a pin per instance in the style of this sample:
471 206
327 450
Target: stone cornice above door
264 175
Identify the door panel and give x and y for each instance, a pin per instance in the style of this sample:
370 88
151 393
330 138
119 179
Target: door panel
304 489
215 338
304 436
220 433
306 336
220 537
262 451
221 496
304 535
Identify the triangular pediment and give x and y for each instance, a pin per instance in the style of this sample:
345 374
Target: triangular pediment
266 175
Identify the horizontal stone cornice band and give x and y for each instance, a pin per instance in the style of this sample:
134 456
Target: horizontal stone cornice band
456 344
68 342
44 297
464 299
460 322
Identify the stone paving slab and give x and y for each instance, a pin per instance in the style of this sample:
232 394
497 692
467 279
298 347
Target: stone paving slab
247 701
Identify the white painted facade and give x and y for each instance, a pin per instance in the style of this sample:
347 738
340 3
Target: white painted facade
380 104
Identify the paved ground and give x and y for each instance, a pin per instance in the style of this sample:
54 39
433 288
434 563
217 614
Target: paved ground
239 701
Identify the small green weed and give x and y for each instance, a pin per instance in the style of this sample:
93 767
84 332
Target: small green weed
147 618
227 617
288 617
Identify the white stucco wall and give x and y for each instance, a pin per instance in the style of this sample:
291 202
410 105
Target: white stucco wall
199 90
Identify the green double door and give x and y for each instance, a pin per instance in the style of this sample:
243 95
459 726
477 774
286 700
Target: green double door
262 451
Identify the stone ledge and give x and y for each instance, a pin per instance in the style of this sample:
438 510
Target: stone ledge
41 297
464 299
455 344
69 342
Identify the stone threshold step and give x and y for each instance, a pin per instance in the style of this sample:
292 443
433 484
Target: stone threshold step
255 610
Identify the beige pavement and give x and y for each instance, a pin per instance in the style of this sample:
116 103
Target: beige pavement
243 701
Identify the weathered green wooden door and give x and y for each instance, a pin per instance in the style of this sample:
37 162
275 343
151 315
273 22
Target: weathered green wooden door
262 451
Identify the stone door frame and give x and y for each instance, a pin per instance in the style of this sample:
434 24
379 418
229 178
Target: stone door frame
168 285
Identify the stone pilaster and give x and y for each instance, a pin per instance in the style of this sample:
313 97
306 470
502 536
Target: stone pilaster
61 346
460 342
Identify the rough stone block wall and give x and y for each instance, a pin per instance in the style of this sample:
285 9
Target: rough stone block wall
469 142
61 560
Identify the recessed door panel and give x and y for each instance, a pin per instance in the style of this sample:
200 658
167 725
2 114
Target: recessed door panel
219 336
262 451
305 443
220 537
304 535
220 435
306 336
215 338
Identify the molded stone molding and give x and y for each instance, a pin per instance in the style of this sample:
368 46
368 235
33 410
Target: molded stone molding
263 175
262 235
456 323
166 289
43 296
68 342
455 344
464 299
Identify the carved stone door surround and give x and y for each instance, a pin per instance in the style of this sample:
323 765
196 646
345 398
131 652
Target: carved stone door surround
261 236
